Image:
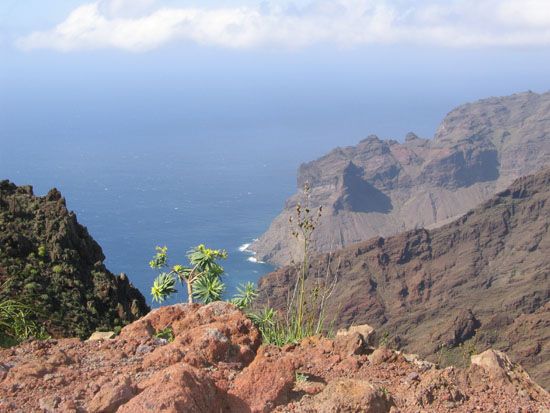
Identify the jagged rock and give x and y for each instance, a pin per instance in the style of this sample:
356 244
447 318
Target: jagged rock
349 396
417 361
382 187
111 396
69 375
217 332
382 355
49 404
265 383
178 388
49 260
418 287
366 332
494 362
463 327
350 344
102 335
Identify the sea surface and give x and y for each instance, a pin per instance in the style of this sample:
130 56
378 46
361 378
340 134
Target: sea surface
136 192
138 177
189 145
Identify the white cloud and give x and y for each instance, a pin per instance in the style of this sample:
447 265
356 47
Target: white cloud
125 8
137 25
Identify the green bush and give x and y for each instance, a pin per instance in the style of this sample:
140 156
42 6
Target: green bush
42 251
18 323
166 334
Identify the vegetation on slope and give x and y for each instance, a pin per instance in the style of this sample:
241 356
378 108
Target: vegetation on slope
49 262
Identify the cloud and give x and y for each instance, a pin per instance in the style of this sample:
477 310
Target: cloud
126 8
140 25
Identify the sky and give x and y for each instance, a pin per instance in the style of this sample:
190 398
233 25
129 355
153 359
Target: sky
140 25
341 67
210 106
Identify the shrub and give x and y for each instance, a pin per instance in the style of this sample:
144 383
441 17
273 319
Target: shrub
42 251
17 323
202 277
166 334
246 294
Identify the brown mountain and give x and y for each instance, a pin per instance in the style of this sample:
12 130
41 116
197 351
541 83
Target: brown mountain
49 260
480 281
383 187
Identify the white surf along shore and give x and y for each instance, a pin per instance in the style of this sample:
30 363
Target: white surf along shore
245 249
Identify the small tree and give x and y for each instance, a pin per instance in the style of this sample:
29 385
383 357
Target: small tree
202 277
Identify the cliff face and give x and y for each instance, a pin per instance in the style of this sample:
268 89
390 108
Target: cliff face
215 364
482 279
382 187
49 260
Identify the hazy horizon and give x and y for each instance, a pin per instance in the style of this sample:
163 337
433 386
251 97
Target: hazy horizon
135 108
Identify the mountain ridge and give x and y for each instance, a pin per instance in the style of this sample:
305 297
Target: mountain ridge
382 187
483 277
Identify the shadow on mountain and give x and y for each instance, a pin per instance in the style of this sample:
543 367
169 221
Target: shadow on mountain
358 195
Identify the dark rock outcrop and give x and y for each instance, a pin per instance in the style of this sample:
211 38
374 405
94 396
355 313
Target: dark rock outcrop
49 260
482 280
382 187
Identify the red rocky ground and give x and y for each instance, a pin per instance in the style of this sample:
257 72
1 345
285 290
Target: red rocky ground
216 364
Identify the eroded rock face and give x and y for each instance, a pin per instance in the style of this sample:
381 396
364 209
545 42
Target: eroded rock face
49 260
195 373
135 372
266 383
178 388
478 282
382 187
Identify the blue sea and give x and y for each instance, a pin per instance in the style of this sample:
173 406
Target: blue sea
177 149
135 192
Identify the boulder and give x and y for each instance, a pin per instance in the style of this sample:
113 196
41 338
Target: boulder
178 388
502 370
111 396
349 344
102 335
349 396
265 383
355 339
382 355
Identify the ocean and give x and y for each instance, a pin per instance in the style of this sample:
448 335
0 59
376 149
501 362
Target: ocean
215 182
221 188
191 156
178 147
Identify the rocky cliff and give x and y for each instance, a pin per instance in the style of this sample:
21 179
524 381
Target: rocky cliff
382 187
49 260
480 281
215 364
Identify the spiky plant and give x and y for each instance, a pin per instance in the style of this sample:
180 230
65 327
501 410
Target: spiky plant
246 294
208 288
204 267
